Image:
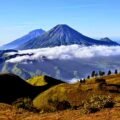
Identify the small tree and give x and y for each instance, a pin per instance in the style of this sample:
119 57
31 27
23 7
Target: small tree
96 74
82 81
116 72
88 77
109 72
101 73
93 74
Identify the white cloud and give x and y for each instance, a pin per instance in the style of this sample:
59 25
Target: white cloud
68 52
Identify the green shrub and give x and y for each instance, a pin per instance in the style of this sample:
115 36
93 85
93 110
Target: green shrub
63 105
60 105
96 103
25 103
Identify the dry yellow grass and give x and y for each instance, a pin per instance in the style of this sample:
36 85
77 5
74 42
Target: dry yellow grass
8 112
75 93
37 81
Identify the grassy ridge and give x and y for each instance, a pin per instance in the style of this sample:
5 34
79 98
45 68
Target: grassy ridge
13 87
43 80
75 94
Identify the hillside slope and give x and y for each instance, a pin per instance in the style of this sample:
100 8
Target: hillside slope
75 94
13 87
43 80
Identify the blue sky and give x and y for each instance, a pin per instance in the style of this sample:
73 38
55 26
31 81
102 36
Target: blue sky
94 18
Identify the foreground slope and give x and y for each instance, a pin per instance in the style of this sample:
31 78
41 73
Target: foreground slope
63 35
75 94
9 112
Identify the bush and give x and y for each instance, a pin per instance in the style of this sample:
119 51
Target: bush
98 80
25 103
63 105
96 103
60 105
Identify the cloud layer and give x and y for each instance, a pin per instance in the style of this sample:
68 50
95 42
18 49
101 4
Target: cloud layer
67 52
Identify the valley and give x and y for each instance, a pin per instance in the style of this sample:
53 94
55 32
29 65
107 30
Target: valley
67 63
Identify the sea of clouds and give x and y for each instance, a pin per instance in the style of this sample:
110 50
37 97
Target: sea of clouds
67 52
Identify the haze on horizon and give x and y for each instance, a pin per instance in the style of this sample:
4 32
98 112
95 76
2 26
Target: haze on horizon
93 18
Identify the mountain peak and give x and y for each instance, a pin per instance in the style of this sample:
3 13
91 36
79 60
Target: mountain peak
20 41
62 26
63 31
62 34
37 31
106 39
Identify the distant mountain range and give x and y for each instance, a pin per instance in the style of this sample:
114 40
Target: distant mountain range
63 35
20 41
57 36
